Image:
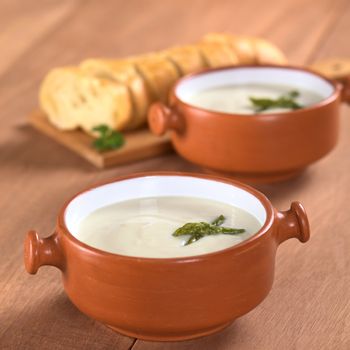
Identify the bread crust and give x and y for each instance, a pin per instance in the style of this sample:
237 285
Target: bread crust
158 73
249 50
333 68
218 54
267 53
124 72
187 59
241 45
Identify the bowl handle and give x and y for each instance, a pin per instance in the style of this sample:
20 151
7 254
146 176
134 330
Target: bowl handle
293 223
345 92
162 118
42 251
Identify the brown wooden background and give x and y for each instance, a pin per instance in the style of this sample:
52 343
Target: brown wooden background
309 306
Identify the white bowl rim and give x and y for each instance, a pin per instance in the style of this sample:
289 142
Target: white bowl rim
333 85
62 227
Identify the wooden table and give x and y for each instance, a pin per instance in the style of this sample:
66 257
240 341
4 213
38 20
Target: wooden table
309 306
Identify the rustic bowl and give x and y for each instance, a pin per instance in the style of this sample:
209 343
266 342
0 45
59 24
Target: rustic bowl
171 298
253 148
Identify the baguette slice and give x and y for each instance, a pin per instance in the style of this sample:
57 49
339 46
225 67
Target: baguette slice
187 59
124 72
217 54
241 45
267 53
55 97
333 68
158 73
72 98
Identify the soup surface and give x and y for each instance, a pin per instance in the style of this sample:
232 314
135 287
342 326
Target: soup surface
144 227
236 98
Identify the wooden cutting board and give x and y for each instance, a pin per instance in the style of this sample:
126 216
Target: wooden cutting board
140 144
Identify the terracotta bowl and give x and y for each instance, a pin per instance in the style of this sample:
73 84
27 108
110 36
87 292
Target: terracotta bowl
171 298
253 148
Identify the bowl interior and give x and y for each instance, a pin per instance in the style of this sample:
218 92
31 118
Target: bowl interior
296 78
158 186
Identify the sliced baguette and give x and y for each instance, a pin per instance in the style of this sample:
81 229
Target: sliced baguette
56 97
267 53
187 59
249 50
73 98
119 92
158 73
333 68
242 45
124 72
217 54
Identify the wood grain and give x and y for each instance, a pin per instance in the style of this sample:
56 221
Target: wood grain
50 14
309 306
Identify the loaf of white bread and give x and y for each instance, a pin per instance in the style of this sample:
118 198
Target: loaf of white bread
118 92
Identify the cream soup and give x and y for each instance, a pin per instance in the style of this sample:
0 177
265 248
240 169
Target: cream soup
144 227
235 98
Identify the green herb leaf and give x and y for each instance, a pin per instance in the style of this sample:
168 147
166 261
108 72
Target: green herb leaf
284 101
109 139
293 93
198 230
102 129
218 221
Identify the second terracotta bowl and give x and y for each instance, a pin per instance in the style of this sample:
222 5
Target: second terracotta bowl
258 147
167 298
